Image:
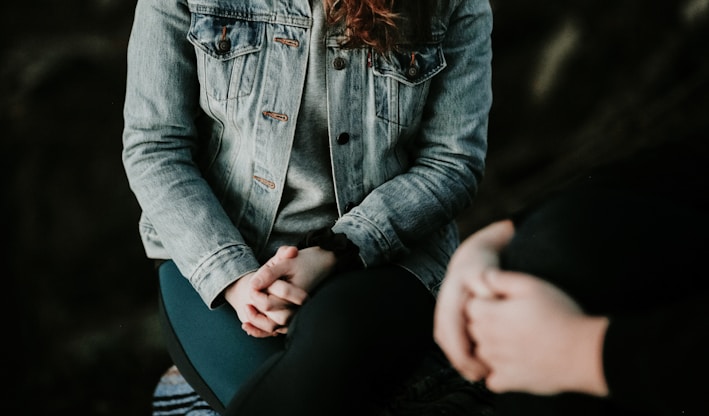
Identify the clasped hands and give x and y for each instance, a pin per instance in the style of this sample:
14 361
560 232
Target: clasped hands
266 300
514 330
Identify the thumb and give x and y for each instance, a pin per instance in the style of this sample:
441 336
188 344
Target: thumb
266 275
274 268
505 283
286 252
496 235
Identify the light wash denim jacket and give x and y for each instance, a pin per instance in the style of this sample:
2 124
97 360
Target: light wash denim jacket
213 92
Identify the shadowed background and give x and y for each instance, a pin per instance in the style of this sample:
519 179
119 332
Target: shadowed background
575 83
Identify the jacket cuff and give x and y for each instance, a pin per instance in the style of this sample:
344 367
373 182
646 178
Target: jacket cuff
220 270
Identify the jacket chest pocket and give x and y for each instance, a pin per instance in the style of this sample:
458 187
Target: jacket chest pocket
402 80
227 57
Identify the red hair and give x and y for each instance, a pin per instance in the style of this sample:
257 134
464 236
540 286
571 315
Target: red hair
377 23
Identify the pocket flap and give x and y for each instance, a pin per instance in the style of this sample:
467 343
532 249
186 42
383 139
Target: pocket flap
224 38
411 66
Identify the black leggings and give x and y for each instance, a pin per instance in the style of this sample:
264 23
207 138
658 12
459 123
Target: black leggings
357 338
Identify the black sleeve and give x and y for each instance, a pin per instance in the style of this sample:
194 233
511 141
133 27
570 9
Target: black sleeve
631 242
658 360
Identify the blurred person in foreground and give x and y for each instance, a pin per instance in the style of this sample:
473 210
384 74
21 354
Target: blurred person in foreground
594 301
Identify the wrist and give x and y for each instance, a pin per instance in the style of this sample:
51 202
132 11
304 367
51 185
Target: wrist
327 257
591 359
231 292
345 254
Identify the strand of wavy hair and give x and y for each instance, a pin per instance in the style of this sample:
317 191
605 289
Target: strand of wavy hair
370 23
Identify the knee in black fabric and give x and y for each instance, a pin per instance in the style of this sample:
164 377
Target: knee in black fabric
365 309
376 324
355 338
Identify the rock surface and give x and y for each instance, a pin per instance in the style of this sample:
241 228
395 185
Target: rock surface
575 82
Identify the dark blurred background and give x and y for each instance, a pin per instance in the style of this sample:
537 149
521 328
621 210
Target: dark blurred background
576 83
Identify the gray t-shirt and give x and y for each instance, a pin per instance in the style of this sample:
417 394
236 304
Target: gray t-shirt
308 200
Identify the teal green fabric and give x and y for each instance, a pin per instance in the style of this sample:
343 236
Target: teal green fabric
207 339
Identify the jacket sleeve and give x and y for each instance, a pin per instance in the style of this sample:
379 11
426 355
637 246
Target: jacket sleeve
448 153
159 143
657 361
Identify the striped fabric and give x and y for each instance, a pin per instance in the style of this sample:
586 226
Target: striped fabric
174 397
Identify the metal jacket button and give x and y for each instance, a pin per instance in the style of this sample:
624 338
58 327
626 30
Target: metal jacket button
339 63
224 45
343 138
412 71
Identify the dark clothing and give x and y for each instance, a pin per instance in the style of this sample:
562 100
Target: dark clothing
356 339
670 373
629 241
